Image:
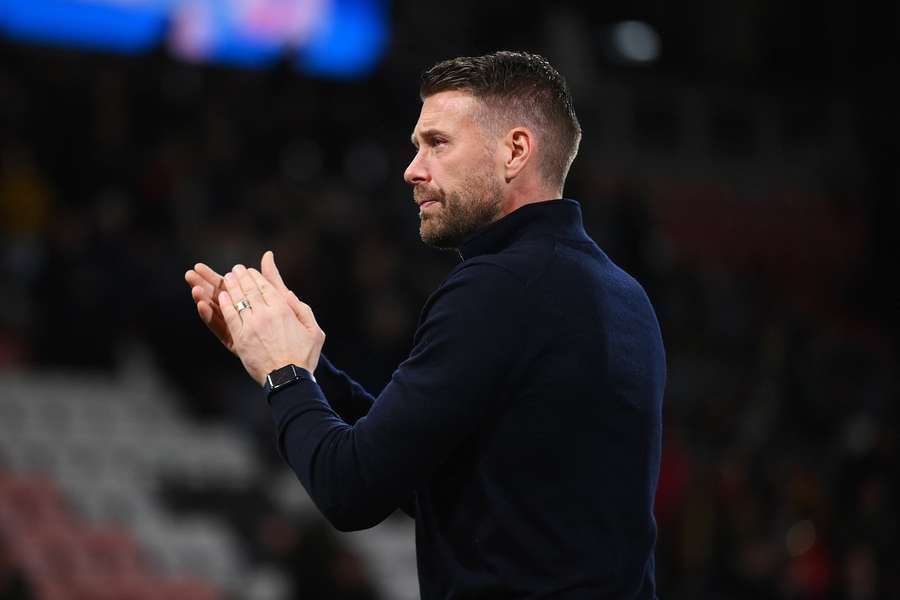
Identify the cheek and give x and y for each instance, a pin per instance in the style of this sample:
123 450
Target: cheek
495 159
483 167
445 174
461 168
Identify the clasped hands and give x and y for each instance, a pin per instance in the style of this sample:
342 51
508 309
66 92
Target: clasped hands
276 330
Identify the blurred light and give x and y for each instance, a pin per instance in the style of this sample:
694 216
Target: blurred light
330 38
123 26
800 538
635 41
860 435
348 46
244 33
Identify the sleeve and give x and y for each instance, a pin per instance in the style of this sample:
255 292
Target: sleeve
351 402
359 474
347 397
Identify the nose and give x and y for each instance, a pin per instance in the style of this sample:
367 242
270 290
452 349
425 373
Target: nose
416 172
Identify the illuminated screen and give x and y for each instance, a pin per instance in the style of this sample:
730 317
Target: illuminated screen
330 38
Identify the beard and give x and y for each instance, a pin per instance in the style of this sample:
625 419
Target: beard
460 213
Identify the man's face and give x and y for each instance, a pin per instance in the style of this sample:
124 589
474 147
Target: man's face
454 173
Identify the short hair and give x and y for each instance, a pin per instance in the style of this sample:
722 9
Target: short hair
520 86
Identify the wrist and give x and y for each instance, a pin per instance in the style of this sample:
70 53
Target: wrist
284 377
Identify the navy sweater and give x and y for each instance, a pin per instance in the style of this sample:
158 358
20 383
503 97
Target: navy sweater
523 431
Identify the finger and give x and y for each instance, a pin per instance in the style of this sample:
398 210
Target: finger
205 310
231 316
201 294
264 287
235 293
200 288
248 284
208 274
195 280
214 321
270 271
209 310
273 276
303 312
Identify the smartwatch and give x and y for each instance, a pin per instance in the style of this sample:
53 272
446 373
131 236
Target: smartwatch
284 377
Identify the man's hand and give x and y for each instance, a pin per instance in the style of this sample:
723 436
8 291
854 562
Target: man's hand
271 333
206 285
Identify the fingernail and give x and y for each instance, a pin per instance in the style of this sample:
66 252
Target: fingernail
228 276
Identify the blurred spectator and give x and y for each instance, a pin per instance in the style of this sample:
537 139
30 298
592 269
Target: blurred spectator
13 585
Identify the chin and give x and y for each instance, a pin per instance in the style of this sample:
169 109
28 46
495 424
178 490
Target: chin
437 239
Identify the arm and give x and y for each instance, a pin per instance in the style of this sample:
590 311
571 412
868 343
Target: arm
351 402
359 474
349 399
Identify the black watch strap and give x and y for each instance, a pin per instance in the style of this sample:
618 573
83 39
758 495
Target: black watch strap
284 377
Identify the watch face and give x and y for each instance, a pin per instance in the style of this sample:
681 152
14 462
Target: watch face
283 375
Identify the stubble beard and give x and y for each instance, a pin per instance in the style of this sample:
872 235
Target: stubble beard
462 213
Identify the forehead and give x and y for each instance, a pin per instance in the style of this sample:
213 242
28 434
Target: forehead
447 110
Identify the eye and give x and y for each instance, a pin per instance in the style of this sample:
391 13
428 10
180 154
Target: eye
437 141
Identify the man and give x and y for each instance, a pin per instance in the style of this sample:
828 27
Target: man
523 431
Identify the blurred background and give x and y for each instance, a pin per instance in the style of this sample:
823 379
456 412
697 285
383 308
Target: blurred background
740 159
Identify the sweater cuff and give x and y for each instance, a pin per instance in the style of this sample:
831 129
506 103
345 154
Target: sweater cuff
285 401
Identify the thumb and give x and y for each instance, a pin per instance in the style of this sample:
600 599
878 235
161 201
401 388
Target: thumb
270 271
302 311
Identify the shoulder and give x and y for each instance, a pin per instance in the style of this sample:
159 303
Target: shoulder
479 308
483 292
520 264
476 281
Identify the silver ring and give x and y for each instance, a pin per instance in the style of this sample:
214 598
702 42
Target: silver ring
242 305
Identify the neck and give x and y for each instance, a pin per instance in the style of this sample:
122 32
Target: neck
516 199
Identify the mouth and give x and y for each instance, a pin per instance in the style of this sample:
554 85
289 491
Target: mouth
424 202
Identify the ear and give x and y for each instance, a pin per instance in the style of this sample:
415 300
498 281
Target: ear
519 146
